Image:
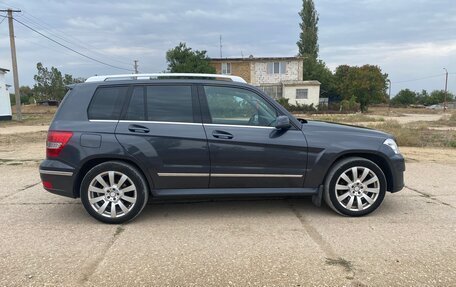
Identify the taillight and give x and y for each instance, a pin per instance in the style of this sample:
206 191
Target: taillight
56 141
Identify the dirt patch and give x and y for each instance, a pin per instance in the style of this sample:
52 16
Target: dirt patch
410 118
22 149
17 129
440 155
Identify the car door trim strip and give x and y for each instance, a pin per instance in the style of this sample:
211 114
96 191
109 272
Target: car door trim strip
228 174
181 174
253 175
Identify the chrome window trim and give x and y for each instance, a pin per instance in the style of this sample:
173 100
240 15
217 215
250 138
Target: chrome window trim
55 172
158 122
104 121
239 126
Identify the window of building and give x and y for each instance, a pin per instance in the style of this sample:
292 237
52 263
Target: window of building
161 103
277 67
233 106
301 94
226 68
107 103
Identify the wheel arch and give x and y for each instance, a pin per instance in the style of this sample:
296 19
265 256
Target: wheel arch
94 161
374 157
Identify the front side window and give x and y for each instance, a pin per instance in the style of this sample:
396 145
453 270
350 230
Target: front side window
235 106
107 103
226 68
301 94
161 103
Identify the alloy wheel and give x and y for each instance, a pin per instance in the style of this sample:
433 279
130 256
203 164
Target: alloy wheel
357 188
112 194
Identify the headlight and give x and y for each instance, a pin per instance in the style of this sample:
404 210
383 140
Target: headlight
392 144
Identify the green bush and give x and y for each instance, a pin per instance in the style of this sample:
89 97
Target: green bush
284 103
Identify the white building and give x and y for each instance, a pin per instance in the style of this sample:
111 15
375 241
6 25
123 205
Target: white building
5 105
277 76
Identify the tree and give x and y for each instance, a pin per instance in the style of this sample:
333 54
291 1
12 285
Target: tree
438 97
50 84
315 69
407 97
182 59
404 98
367 83
308 38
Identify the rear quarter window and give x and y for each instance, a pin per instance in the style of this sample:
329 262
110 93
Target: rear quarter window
107 103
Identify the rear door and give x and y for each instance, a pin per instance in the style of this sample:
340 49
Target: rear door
246 150
161 127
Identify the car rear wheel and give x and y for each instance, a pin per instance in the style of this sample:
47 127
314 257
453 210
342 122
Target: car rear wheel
355 187
114 192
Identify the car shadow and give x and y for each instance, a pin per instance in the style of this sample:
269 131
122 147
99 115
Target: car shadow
232 207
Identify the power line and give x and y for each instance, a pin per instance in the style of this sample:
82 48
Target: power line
64 37
419 79
71 49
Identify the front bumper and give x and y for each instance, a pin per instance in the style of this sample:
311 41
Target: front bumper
57 177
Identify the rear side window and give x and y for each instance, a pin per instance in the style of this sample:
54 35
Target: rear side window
161 103
107 103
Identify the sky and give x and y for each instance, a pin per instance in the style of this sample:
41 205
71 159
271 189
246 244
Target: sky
411 41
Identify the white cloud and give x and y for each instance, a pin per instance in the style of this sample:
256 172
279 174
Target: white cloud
408 39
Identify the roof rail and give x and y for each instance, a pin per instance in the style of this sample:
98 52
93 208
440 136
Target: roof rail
164 75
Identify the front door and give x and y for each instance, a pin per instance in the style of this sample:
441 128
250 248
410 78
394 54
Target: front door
162 129
246 150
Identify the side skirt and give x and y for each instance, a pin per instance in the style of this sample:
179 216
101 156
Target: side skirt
219 192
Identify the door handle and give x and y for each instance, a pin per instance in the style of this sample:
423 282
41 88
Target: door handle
222 135
138 129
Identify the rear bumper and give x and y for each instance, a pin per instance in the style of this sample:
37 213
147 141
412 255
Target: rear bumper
397 165
57 177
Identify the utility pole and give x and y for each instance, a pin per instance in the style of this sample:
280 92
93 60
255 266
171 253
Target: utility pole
220 46
446 90
14 63
389 96
135 65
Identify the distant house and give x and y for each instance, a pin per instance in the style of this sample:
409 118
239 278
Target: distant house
277 76
5 105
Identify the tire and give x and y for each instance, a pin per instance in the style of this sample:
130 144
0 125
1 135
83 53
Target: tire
107 202
355 197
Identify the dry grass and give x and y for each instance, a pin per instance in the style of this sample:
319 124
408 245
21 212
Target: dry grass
343 118
397 112
32 116
418 134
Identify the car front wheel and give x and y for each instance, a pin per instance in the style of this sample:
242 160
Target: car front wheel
114 192
355 187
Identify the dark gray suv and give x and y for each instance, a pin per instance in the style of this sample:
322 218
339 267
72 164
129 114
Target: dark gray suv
115 142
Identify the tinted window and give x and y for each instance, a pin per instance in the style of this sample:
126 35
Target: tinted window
107 103
169 103
238 107
137 108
